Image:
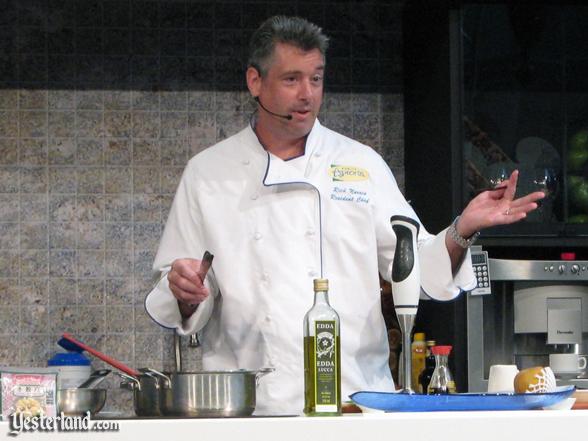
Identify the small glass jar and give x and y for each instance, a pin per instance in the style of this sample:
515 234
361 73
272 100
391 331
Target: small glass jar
442 380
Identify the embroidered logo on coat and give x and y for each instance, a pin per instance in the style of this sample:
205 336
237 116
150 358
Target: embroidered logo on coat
347 173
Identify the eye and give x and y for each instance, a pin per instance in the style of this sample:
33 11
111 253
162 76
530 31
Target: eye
290 80
317 79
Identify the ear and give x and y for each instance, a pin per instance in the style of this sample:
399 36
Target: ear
253 81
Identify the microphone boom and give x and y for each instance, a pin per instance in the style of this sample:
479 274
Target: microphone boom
288 117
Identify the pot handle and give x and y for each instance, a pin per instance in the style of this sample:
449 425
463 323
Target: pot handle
166 381
130 383
261 372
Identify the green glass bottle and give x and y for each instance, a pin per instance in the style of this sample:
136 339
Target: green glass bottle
322 355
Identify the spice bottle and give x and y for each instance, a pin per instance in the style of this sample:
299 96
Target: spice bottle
418 354
427 373
442 380
322 356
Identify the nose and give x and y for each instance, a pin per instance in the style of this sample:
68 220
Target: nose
305 90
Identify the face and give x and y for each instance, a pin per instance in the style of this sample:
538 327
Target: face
293 85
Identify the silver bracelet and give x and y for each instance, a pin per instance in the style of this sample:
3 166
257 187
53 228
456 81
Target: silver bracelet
461 241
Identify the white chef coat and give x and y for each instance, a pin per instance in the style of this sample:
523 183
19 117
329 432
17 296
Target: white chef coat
274 226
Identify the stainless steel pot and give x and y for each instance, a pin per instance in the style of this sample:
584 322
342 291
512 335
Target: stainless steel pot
194 394
145 390
210 394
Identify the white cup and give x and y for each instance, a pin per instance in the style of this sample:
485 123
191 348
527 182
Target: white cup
567 363
501 378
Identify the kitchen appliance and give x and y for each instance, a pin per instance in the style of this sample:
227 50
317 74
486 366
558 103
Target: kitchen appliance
406 286
535 308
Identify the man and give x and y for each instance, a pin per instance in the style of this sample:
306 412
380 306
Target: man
285 201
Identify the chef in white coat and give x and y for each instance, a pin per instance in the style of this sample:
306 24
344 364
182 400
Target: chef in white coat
285 201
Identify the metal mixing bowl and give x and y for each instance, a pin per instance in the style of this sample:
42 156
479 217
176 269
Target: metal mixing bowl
75 401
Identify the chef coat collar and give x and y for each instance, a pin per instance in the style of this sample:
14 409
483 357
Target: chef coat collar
309 142
279 171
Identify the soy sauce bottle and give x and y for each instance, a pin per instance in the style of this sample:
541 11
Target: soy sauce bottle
442 381
427 373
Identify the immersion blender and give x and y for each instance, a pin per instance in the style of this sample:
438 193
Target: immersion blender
406 285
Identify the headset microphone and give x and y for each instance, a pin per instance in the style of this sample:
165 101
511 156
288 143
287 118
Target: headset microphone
288 117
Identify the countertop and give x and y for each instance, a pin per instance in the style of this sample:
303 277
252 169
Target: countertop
535 425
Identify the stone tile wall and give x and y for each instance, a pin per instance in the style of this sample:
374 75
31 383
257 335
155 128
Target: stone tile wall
101 105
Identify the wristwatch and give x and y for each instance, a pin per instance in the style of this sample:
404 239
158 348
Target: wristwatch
461 241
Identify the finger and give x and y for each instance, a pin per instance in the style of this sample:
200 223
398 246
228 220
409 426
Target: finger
527 208
513 217
187 297
184 283
531 197
521 209
189 270
496 194
511 186
181 295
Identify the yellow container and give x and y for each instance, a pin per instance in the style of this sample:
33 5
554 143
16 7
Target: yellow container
418 355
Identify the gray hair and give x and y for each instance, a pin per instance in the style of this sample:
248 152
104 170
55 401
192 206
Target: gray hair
281 29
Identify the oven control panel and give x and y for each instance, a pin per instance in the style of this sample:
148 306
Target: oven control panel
547 270
564 267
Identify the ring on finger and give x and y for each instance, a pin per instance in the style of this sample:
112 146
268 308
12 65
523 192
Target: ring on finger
507 212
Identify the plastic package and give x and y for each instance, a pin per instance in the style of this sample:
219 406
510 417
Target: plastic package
30 392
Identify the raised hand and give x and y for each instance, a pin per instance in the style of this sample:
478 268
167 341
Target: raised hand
497 207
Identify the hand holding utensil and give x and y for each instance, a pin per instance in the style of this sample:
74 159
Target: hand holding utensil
186 280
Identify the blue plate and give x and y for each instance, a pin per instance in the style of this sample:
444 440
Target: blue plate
397 402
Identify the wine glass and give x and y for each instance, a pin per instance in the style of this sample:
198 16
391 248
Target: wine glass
546 180
498 173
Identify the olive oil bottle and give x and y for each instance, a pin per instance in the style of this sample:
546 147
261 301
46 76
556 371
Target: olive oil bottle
322 355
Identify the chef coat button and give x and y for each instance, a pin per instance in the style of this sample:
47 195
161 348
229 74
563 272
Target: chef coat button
310 232
265 277
254 196
317 154
268 318
257 236
246 162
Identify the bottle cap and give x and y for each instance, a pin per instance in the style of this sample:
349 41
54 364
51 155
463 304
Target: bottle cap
431 342
419 336
68 359
441 350
321 285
